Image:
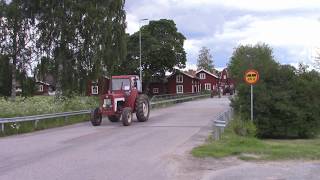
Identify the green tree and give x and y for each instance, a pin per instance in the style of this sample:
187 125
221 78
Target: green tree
205 60
84 39
16 37
162 50
5 77
317 61
285 99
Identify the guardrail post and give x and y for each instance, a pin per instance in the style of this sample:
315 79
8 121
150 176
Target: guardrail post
65 119
36 124
2 127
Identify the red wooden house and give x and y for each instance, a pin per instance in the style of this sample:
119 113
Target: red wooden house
44 88
208 80
226 84
98 87
182 82
156 88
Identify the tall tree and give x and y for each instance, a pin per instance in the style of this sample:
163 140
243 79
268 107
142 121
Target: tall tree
5 77
205 60
16 32
317 61
162 50
84 39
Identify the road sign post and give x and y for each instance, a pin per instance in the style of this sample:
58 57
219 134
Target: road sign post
251 77
251 102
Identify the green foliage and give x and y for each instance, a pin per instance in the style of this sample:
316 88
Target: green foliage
286 100
243 128
205 60
162 50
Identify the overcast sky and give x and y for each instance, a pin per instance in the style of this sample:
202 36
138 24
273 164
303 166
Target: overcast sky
290 27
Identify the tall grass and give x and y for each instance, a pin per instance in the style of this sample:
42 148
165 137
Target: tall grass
43 105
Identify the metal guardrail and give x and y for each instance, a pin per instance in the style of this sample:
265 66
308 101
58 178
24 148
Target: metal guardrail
220 122
164 97
36 118
178 99
155 100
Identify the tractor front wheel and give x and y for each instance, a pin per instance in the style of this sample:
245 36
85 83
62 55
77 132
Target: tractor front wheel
96 117
113 118
126 116
142 108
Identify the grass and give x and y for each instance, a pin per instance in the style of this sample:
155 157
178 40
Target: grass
43 105
251 148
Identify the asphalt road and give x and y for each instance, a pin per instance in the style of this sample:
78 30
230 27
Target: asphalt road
142 151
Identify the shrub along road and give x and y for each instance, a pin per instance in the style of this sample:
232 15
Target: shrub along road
150 150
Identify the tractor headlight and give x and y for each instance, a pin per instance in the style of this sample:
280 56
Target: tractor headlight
107 103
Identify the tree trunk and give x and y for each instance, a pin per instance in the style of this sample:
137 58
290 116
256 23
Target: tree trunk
14 62
13 82
59 79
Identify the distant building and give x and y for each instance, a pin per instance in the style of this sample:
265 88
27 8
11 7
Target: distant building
98 87
182 82
46 86
43 88
226 83
208 80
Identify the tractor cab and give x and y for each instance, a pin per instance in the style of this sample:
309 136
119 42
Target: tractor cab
123 98
125 83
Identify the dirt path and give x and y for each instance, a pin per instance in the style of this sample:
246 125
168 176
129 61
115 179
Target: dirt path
191 168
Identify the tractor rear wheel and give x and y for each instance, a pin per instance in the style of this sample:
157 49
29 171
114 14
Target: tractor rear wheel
113 118
142 108
126 116
96 117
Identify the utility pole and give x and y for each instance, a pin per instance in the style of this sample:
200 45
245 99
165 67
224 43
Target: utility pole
140 67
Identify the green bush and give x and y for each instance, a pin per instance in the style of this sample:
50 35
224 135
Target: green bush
243 128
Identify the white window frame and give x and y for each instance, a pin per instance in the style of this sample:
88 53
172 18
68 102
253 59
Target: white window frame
155 90
207 86
202 75
40 88
224 76
179 78
93 88
177 89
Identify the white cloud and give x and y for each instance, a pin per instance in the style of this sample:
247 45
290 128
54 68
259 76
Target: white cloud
254 5
290 27
299 35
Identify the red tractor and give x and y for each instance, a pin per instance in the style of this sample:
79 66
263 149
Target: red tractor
123 98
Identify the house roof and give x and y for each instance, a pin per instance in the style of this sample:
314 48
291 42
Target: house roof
41 82
226 70
203 70
185 73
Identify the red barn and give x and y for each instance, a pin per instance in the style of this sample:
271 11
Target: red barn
208 80
183 82
226 84
98 87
